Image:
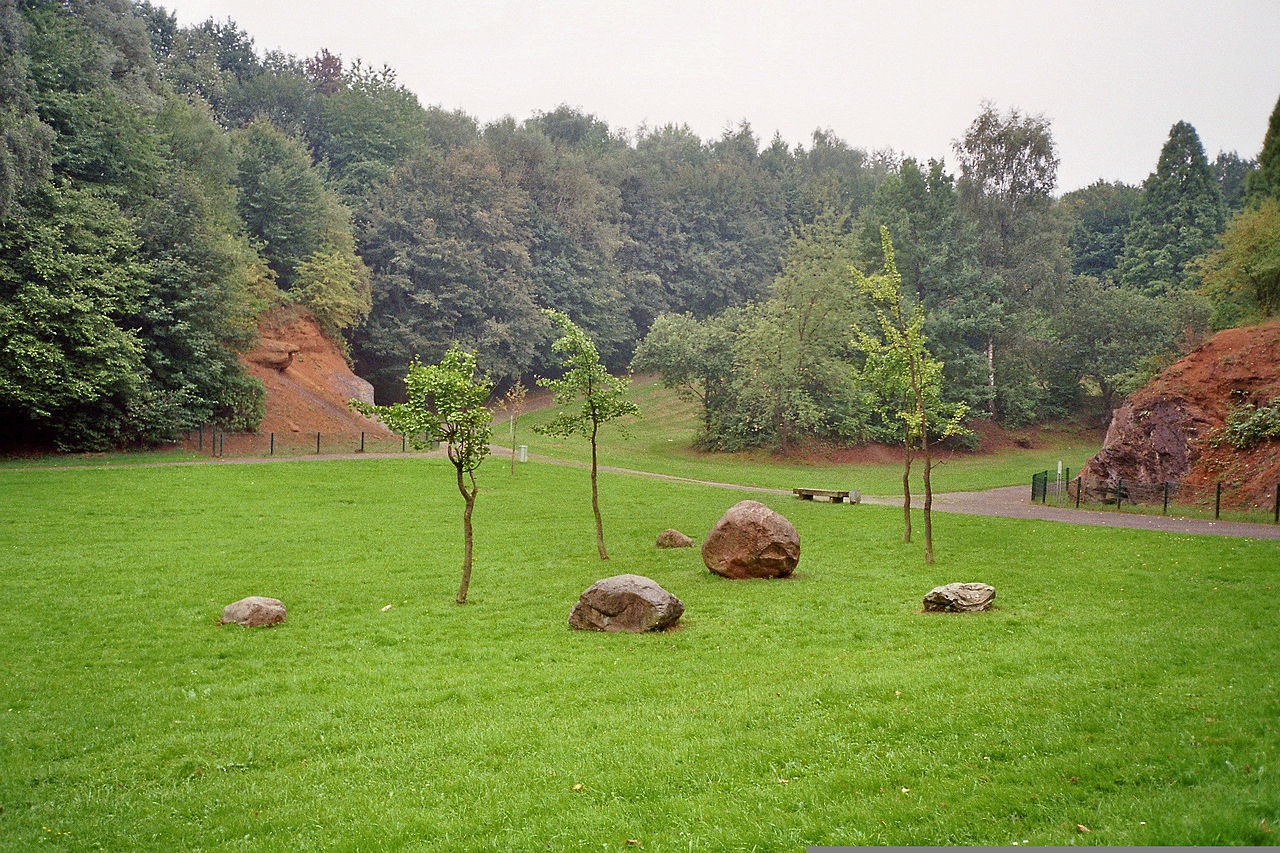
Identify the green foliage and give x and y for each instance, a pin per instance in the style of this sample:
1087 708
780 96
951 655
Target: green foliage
445 404
592 396
1265 181
1232 172
1247 425
1099 215
899 375
1242 275
1177 220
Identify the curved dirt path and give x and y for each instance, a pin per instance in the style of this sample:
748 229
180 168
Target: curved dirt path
1006 502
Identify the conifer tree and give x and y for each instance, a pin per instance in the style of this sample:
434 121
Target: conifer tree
1265 182
1177 220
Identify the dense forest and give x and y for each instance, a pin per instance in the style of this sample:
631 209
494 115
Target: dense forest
161 187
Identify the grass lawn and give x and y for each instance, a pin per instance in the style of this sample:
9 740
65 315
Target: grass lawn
1129 682
661 441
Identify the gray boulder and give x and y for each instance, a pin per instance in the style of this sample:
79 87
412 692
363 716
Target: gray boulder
752 541
958 597
256 611
631 603
671 538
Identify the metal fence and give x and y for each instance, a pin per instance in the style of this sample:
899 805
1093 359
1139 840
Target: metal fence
1121 493
213 442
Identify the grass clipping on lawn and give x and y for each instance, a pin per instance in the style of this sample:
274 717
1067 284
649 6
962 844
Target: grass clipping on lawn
1128 682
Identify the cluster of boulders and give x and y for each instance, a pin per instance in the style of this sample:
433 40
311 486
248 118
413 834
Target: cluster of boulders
749 541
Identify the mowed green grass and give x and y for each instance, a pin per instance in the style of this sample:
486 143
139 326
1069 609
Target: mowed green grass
661 440
1128 683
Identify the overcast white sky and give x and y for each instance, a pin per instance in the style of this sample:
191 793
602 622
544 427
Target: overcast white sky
1112 76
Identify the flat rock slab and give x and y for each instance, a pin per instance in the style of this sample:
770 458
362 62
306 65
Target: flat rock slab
671 538
256 611
631 603
752 541
960 597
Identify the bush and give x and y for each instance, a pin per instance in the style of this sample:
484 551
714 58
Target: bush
1249 424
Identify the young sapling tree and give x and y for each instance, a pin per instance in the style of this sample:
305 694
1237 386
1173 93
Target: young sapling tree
906 380
445 404
599 398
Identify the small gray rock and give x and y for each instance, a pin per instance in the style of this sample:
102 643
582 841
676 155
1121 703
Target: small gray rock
256 611
671 538
958 597
631 603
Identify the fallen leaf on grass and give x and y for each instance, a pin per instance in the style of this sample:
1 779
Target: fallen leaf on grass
1262 824
385 609
784 781
632 842
578 786
1080 827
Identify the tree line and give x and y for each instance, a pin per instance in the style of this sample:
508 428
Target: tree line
162 187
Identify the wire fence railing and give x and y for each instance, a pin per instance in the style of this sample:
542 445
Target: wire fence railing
216 443
1200 499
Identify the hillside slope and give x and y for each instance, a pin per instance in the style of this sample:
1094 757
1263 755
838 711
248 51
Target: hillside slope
307 379
1164 431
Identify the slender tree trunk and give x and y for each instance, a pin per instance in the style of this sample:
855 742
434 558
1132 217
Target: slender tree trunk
469 497
513 444
595 499
906 486
991 375
928 499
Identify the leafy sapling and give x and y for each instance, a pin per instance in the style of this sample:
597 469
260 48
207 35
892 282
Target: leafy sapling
445 404
598 397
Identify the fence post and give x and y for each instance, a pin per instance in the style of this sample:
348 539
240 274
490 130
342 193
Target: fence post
1217 501
1079 483
362 441
317 442
200 433
1166 497
402 440
1276 518
273 445
222 444
1119 492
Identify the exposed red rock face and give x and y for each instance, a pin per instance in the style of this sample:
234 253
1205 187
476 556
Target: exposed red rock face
752 541
307 378
1165 431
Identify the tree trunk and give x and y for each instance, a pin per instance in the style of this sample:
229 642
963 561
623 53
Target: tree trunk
991 375
595 500
928 499
470 499
906 487
513 445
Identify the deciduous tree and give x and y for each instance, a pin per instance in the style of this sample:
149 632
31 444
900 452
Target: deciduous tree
598 397
445 404
906 380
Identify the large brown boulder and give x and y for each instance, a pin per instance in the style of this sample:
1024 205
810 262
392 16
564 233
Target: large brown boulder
752 541
672 538
631 603
960 597
256 611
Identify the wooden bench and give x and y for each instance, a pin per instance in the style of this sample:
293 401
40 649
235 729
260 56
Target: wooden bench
830 494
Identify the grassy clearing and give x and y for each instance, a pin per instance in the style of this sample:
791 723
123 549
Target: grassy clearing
1128 683
661 441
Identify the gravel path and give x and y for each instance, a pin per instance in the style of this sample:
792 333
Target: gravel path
1007 502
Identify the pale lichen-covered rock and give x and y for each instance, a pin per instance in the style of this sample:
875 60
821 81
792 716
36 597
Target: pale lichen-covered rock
256 611
671 538
960 597
631 603
752 541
